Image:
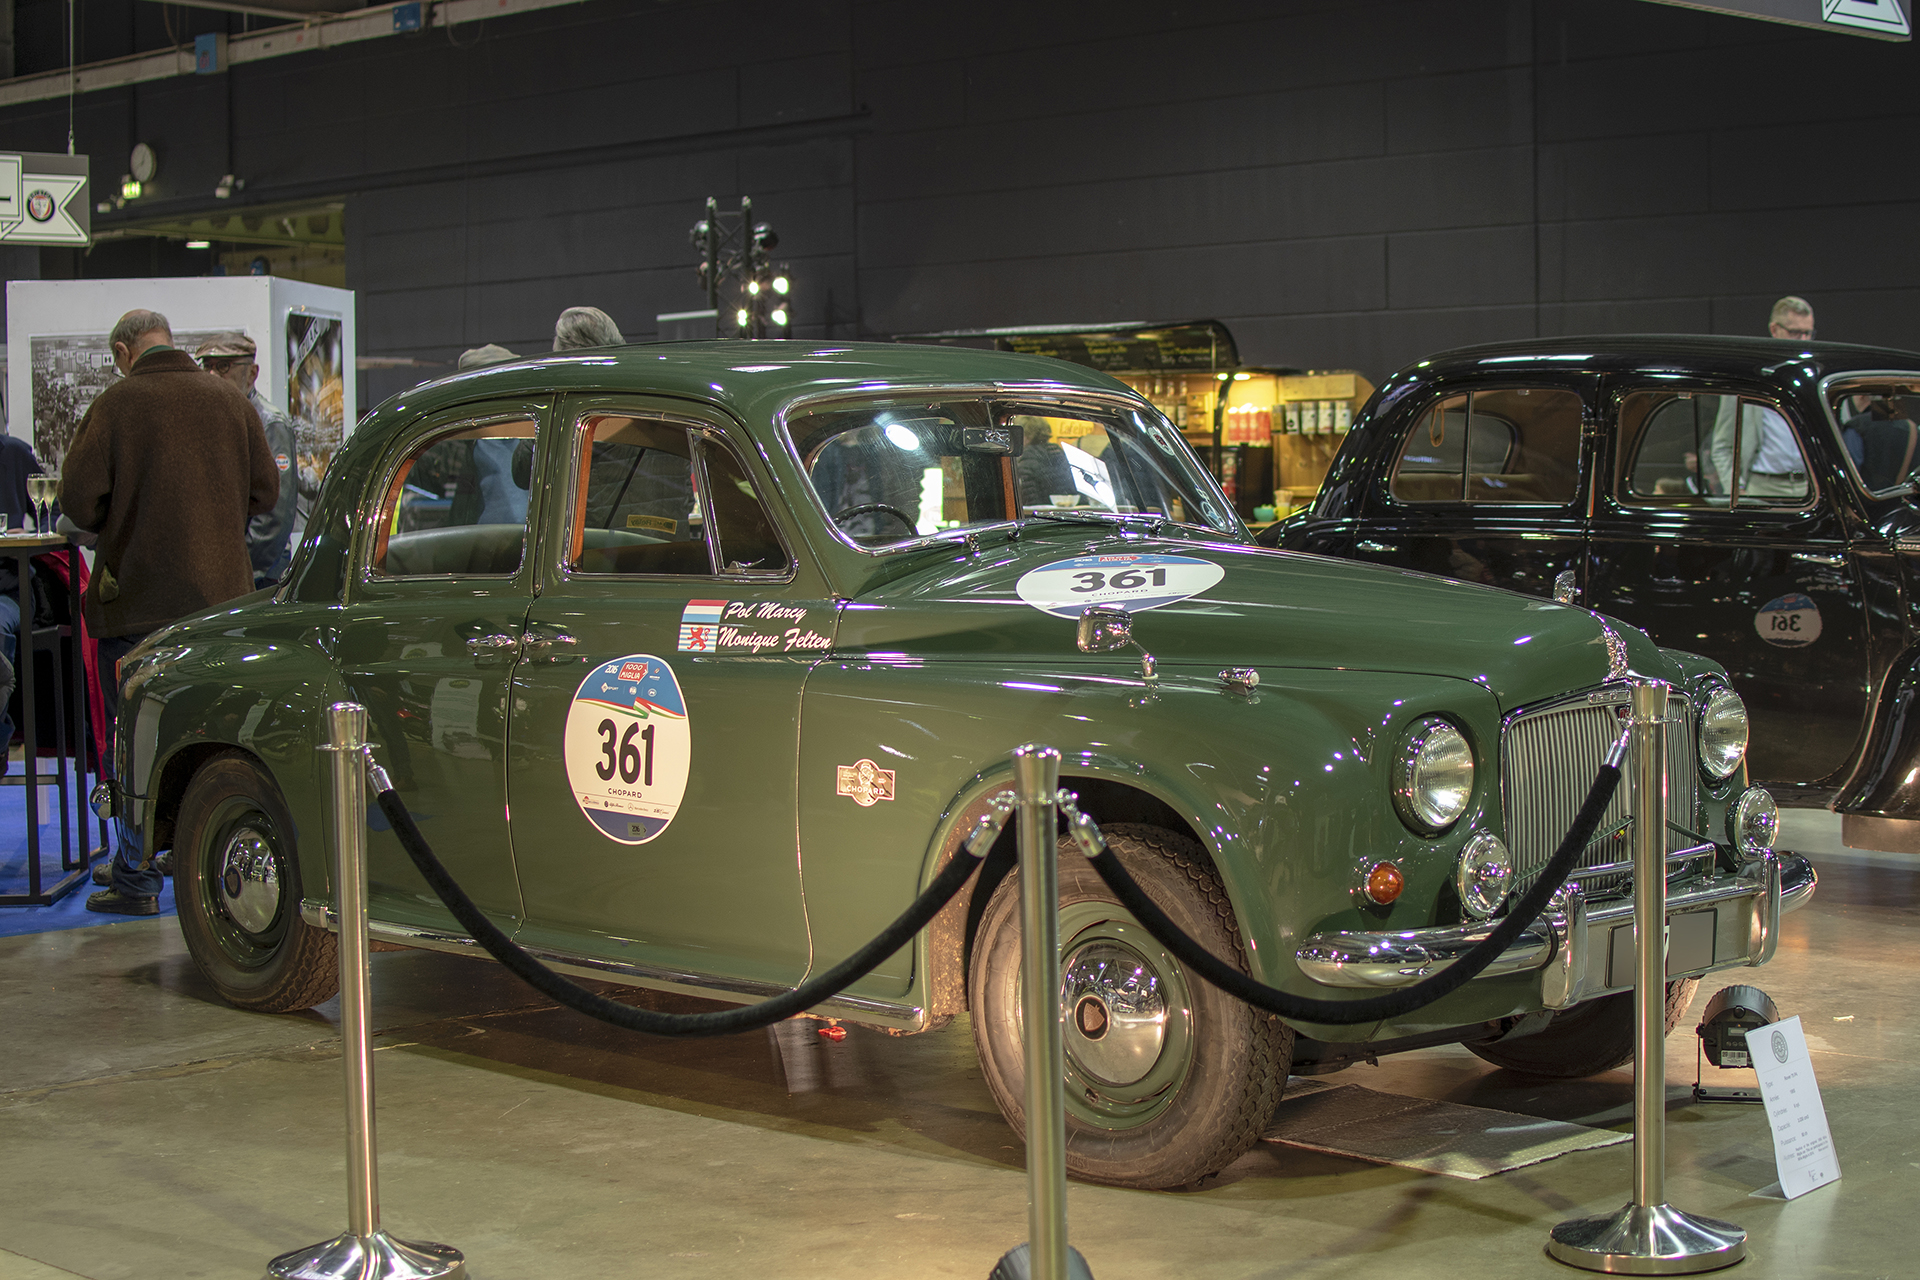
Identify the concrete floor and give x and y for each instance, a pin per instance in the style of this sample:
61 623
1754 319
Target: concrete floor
148 1130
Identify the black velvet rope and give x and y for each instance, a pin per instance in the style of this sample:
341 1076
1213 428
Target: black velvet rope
1391 1004
722 1022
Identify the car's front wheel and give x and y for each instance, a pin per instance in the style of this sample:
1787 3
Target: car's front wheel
237 883
1586 1039
1168 1079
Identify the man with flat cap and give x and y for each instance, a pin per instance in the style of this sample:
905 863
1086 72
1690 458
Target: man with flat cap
231 356
168 465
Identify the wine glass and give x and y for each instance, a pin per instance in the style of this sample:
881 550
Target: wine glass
44 490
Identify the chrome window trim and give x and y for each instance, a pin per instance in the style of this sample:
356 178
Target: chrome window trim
1616 486
1039 393
366 523
1834 424
703 433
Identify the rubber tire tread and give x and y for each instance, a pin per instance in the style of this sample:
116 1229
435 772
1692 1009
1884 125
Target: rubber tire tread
1587 1039
1247 1053
305 970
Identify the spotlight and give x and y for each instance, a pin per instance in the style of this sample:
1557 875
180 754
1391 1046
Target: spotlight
781 285
742 317
1731 1013
753 288
779 316
130 187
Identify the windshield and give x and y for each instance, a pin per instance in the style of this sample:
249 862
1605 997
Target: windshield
889 472
1877 417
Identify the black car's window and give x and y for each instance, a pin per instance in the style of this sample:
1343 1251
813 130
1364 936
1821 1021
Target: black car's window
455 505
1877 417
891 472
1688 448
641 506
1518 445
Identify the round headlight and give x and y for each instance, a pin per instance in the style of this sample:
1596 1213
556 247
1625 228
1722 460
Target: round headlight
1723 734
1433 776
1754 823
1484 875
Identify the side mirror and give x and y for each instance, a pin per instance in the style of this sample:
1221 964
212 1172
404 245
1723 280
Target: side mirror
1104 629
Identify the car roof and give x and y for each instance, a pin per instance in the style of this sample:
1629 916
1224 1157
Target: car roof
752 379
1761 358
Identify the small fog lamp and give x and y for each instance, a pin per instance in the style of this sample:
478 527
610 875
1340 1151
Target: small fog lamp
1484 875
1754 823
1383 884
1731 1013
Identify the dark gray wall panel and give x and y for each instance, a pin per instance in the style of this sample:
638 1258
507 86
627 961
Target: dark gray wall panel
1345 184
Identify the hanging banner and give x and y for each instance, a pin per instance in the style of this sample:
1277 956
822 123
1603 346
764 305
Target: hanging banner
44 199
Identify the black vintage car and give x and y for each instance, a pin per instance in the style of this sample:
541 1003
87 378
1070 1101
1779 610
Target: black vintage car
1749 499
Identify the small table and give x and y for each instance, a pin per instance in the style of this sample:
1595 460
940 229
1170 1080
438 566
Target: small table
22 547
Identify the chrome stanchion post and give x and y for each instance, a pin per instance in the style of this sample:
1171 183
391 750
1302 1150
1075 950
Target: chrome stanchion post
363 1251
1648 1236
1045 1256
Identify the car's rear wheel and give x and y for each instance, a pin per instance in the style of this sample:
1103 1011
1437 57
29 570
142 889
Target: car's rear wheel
237 883
1586 1039
1168 1079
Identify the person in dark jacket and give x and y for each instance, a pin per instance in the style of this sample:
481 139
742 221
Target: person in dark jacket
168 465
269 544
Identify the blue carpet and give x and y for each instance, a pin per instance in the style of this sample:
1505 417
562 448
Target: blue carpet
71 911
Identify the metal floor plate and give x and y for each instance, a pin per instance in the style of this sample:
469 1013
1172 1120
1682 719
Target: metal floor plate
1434 1137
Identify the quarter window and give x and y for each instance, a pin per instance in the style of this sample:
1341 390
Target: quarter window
457 505
1685 448
1512 445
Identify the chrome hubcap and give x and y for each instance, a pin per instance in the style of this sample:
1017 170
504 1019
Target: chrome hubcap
249 881
1116 1023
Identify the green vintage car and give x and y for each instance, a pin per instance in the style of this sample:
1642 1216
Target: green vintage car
696 661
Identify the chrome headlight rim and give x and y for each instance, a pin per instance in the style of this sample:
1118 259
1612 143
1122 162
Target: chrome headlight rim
1720 709
1484 875
1753 823
1427 800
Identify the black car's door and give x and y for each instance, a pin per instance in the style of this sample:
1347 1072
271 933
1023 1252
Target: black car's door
1715 533
1485 484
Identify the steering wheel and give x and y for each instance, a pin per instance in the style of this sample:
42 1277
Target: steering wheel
868 508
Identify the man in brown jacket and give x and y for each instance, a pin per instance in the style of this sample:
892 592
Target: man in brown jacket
167 466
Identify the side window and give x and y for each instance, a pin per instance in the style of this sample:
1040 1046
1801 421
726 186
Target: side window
1698 449
1519 445
457 504
639 505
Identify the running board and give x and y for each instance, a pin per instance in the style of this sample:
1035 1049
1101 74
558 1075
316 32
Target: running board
893 1018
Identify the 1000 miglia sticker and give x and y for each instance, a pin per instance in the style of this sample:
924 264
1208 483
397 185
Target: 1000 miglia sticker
1130 582
627 747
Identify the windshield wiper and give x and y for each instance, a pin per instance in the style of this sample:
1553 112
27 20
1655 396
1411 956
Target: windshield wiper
1153 520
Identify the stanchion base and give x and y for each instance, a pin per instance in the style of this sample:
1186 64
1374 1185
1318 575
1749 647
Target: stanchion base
1657 1240
375 1257
1015 1264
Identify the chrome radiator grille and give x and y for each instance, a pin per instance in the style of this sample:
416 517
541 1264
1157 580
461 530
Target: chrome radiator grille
1548 761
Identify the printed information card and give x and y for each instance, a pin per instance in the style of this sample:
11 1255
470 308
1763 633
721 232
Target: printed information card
1802 1146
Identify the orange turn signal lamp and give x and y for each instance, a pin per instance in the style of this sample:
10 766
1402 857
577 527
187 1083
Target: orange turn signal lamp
1383 883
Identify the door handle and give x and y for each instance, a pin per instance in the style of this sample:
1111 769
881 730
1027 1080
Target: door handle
1368 544
1832 562
538 645
493 646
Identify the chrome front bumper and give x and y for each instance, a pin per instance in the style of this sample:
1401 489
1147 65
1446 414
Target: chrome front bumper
1583 949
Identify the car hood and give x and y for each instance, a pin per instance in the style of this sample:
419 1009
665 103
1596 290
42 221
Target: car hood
1272 609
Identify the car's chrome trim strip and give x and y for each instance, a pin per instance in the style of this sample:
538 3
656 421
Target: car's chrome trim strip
884 1013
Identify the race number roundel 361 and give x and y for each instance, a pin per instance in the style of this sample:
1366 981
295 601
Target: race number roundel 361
1130 582
627 747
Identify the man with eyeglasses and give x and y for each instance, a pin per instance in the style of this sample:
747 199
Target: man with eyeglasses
1771 465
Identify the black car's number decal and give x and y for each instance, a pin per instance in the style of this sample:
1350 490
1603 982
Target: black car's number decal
1125 580
629 763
